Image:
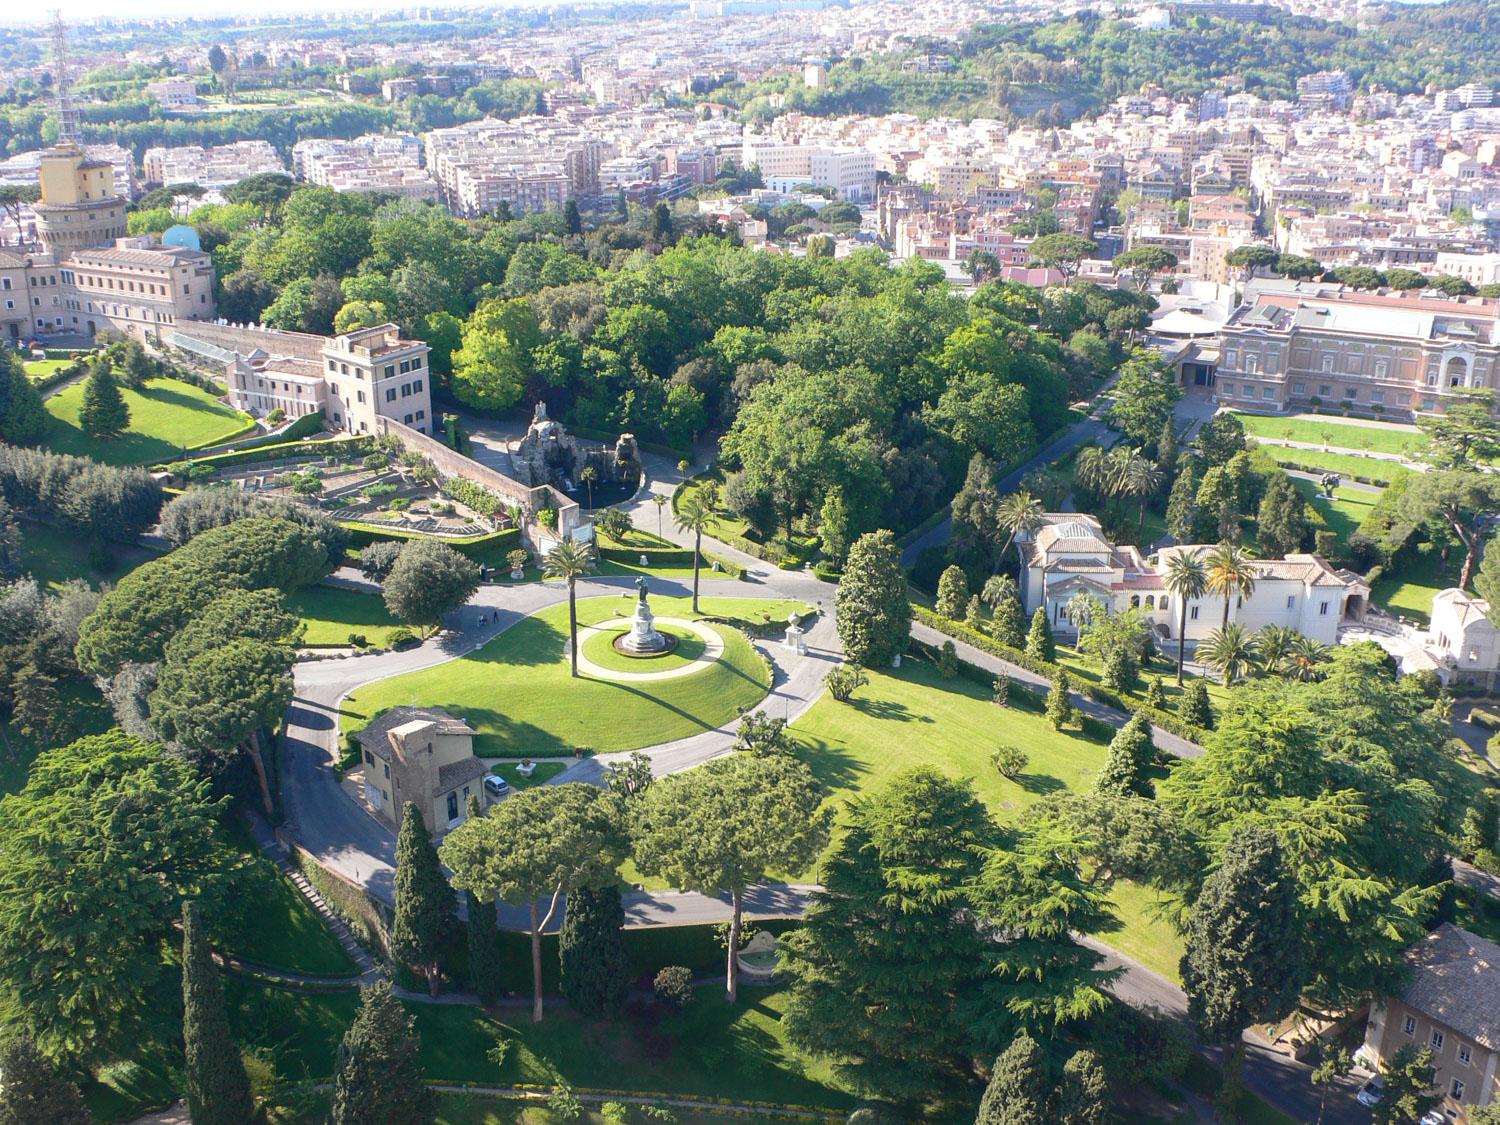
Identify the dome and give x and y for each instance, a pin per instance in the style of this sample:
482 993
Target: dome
181 235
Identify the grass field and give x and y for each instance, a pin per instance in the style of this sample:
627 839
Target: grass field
1347 464
1344 513
331 614
1411 592
517 693
543 772
165 418
54 557
1349 433
600 648
41 368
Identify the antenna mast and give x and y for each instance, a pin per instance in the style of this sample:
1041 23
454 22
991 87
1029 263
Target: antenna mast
67 112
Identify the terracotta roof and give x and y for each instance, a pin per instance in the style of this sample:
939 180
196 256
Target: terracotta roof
1456 981
454 775
375 737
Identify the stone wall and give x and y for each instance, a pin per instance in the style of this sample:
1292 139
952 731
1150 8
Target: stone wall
245 338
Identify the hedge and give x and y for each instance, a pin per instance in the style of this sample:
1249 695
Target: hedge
667 557
475 496
363 534
959 631
1486 718
47 382
1321 470
281 452
303 427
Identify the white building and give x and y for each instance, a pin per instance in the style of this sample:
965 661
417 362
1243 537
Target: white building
1463 639
850 171
174 93
1069 555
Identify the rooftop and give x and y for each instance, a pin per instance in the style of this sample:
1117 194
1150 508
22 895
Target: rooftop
376 737
1456 981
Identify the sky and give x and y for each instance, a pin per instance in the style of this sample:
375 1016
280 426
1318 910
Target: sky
75 10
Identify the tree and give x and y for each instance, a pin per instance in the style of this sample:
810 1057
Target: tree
1410 1087
1220 438
631 778
1059 706
1019 514
1040 644
104 413
1193 707
953 593
874 614
1009 761
1142 262
1251 258
483 934
591 948
1230 571
1231 651
693 515
1009 623
1182 502
1461 499
429 579
1331 1067
1063 252
1465 432
1144 397
881 978
1244 959
23 416
572 220
1186 580
377 1073
725 825
492 367
424 901
1085 1095
15 199
570 560
216 1085
217 59
546 841
32 1093
1130 754
1282 518
79 957
588 475
1018 1087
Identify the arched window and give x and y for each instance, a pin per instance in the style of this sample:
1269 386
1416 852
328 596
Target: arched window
1162 605
1150 601
1135 601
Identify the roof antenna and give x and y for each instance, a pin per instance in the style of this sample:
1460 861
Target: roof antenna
68 131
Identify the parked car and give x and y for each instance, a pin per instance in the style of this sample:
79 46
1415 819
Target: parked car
1435 1117
496 786
1372 1091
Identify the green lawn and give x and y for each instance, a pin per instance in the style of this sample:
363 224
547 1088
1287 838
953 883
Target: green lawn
1344 513
331 613
1144 934
543 772
41 368
600 648
164 418
54 557
1411 592
517 693
1347 464
1350 433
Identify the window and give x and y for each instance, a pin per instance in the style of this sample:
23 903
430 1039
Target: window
390 369
1325 390
1291 601
1323 609
1247 391
1436 1040
1411 1025
1228 389
416 386
1377 396
332 366
1380 369
406 390
452 806
1351 393
1403 399
1456 1088
1299 388
387 771
421 414
407 419
334 387
343 369
1251 363
1327 363
1193 614
1268 392
361 396
390 394
1465 1054
1162 605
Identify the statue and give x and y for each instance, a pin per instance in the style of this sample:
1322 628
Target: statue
541 412
641 588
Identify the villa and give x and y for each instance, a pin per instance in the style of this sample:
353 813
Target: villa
420 754
1069 554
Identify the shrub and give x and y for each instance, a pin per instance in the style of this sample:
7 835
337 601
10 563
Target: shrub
376 560
517 558
614 1113
1010 761
402 638
1001 686
305 485
376 461
673 987
376 491
201 472
358 640
547 517
276 417
1486 718
844 680
948 661
399 503
466 492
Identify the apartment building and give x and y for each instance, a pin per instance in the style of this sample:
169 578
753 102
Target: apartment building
528 163
137 286
374 162
1384 353
218 167
849 171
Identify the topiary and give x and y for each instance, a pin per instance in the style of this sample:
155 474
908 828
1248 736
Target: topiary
673 987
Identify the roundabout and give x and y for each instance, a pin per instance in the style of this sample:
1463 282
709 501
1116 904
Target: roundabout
695 647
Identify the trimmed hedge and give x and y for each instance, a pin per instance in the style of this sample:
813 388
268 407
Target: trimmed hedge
47 382
1486 718
959 631
1321 470
304 426
363 534
280 452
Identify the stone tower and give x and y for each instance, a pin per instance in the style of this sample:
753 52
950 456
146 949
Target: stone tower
79 208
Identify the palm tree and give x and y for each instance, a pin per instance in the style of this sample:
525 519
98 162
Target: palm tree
1117 470
660 499
1187 578
1230 651
570 559
589 476
693 516
1080 611
1275 643
1231 570
1304 660
1019 513
1091 470
998 588
1143 479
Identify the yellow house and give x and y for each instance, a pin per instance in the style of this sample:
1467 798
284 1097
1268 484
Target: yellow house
421 754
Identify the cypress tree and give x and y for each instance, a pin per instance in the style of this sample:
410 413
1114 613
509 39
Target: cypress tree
423 899
1154 697
1008 625
218 1089
591 948
1017 1092
1039 642
874 611
1084 1097
973 615
1130 752
1059 706
104 413
572 219
952 593
1166 444
1193 706
377 1076
32 1094
483 933
1182 502
23 416
1244 961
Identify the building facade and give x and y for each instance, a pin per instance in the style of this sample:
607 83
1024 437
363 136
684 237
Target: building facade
424 756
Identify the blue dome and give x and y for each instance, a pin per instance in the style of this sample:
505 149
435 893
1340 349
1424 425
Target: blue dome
181 236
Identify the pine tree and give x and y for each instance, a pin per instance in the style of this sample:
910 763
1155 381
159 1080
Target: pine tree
104 413
974 615
377 1075
591 948
1154 697
1001 698
1018 1087
1193 705
1244 959
1182 502
1130 752
952 593
1084 1097
217 1087
12 552
24 419
1008 625
35 703
423 899
32 1094
1059 706
1040 644
483 933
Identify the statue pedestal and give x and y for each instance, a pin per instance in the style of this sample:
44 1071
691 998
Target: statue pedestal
643 639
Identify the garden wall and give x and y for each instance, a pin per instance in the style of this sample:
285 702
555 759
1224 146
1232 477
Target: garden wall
247 337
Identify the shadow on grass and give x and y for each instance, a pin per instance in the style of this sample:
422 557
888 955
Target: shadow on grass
1040 783
836 769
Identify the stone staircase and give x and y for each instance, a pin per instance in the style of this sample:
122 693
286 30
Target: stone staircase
368 972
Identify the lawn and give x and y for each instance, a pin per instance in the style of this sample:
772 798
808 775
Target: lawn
1344 513
1347 464
331 613
1410 592
517 693
600 648
41 368
543 773
1348 433
165 418
54 557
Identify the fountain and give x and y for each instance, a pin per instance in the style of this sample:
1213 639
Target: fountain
642 639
